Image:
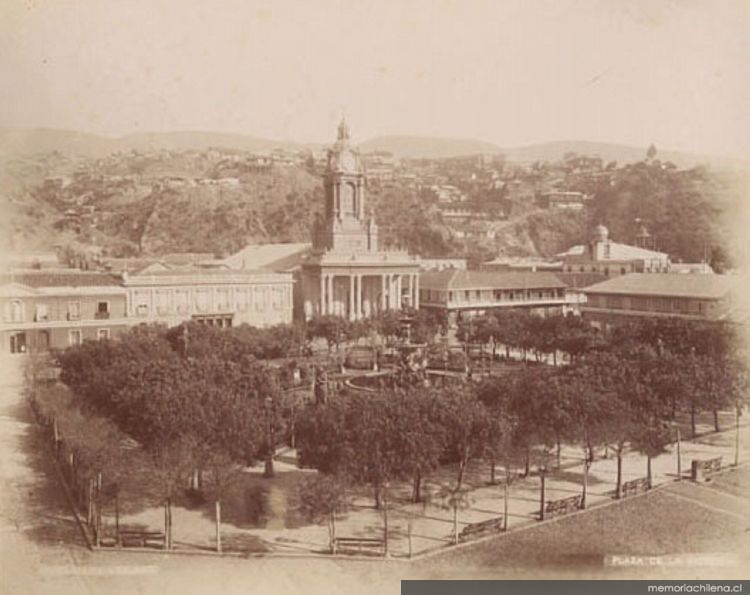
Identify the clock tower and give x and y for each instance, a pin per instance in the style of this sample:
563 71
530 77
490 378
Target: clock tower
347 274
346 224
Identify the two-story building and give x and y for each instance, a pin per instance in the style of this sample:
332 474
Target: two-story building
42 310
466 293
220 297
644 295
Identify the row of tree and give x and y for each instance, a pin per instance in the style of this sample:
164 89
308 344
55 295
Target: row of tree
625 395
574 337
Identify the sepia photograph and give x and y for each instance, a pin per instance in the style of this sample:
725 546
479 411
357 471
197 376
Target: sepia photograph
374 296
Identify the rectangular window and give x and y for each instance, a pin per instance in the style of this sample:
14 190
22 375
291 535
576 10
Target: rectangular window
75 337
240 296
102 333
260 299
74 310
162 302
41 313
102 310
467 293
181 301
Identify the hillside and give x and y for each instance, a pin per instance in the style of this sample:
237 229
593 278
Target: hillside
427 147
131 204
72 143
69 142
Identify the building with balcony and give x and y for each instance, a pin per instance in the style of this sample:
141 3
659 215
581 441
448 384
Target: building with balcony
675 295
43 310
466 293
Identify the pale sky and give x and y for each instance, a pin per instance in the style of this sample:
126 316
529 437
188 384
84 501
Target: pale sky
510 72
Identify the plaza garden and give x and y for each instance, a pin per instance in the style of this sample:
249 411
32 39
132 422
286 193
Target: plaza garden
388 440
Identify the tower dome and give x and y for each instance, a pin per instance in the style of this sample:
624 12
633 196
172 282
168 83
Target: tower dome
601 233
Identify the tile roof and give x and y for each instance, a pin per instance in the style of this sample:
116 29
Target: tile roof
61 279
461 279
667 284
268 256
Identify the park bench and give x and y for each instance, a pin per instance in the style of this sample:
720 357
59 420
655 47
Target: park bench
702 470
137 538
634 486
562 506
359 544
476 530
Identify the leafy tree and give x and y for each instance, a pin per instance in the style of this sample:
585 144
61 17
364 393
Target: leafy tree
221 472
465 419
321 498
334 329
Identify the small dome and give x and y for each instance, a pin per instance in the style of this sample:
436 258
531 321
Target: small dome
601 233
643 232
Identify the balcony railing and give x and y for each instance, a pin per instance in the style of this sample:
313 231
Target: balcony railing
101 315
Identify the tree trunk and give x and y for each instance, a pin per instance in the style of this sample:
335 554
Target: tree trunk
649 478
455 520
679 457
737 439
171 536
166 523
99 519
559 448
332 531
527 464
385 523
692 420
90 504
461 468
585 483
417 491
218 525
376 492
542 474
492 471
118 539
505 505
717 428
618 490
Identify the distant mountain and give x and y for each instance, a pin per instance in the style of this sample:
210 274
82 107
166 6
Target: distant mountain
427 147
555 150
45 140
68 142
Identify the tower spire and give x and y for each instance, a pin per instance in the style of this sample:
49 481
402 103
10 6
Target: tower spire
343 134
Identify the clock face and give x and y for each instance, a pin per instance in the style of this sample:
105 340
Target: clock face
348 161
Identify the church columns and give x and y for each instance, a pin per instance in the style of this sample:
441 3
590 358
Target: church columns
398 291
358 298
416 291
322 294
331 298
352 311
383 294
